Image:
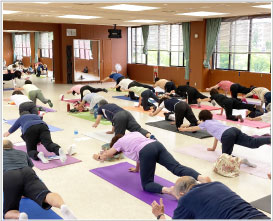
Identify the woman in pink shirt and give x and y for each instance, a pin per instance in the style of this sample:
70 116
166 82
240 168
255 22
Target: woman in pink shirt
147 152
224 85
79 89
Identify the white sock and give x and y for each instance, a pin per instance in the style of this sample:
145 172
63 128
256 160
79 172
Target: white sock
62 155
71 149
41 156
67 214
23 216
246 162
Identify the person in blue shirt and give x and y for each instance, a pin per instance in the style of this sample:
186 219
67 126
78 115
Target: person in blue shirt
34 131
212 200
117 77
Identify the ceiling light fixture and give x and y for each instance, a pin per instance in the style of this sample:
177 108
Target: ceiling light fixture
42 2
125 7
202 13
145 21
263 6
8 12
78 16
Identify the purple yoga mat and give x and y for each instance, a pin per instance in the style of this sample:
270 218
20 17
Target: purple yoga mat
129 182
47 109
200 152
249 123
52 163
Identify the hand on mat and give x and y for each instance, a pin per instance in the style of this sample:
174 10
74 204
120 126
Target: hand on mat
96 157
182 129
157 209
110 132
134 170
6 134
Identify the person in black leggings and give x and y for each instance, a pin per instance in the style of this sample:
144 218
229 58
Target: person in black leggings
231 103
237 88
91 89
180 108
137 84
191 93
147 153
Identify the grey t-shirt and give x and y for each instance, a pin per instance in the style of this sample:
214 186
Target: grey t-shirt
15 159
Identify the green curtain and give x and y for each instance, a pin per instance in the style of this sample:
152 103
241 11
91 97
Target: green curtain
212 31
186 29
36 46
91 46
13 47
145 35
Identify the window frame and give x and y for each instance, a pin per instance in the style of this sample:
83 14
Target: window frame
21 48
249 52
180 45
49 48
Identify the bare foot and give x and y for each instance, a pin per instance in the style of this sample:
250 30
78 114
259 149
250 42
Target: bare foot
203 179
169 190
109 132
240 118
210 149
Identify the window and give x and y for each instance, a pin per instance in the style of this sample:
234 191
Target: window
46 44
82 49
244 44
165 45
22 46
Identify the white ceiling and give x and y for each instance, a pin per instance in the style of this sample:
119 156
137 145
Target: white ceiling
33 12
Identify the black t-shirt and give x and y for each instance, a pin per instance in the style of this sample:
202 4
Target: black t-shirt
219 98
213 201
109 110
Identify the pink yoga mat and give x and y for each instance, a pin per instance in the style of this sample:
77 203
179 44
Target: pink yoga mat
200 152
205 107
52 163
119 176
255 124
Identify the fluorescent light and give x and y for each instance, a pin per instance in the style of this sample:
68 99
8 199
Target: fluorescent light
263 6
7 12
78 16
202 13
134 8
145 21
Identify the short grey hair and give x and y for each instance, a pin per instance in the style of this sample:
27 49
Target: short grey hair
184 185
103 102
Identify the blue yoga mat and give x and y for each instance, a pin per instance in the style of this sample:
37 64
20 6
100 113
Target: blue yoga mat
51 128
129 99
8 89
34 211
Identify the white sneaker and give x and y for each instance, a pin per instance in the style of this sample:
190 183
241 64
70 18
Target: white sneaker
71 150
62 155
41 156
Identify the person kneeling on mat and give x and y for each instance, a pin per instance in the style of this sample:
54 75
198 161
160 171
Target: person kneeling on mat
144 94
19 179
231 103
212 200
147 153
92 99
79 89
180 108
34 131
164 84
227 135
121 119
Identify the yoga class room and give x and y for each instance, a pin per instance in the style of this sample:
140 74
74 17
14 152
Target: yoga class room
119 110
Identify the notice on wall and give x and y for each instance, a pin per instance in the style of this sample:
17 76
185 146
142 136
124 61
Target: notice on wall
71 32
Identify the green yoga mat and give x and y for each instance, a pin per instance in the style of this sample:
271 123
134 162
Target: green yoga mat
90 117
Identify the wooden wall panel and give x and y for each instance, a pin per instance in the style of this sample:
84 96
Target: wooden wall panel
245 78
7 48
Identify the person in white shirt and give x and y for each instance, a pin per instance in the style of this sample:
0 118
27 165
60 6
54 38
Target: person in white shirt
23 102
34 93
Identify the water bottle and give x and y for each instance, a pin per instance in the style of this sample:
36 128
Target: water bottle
76 132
